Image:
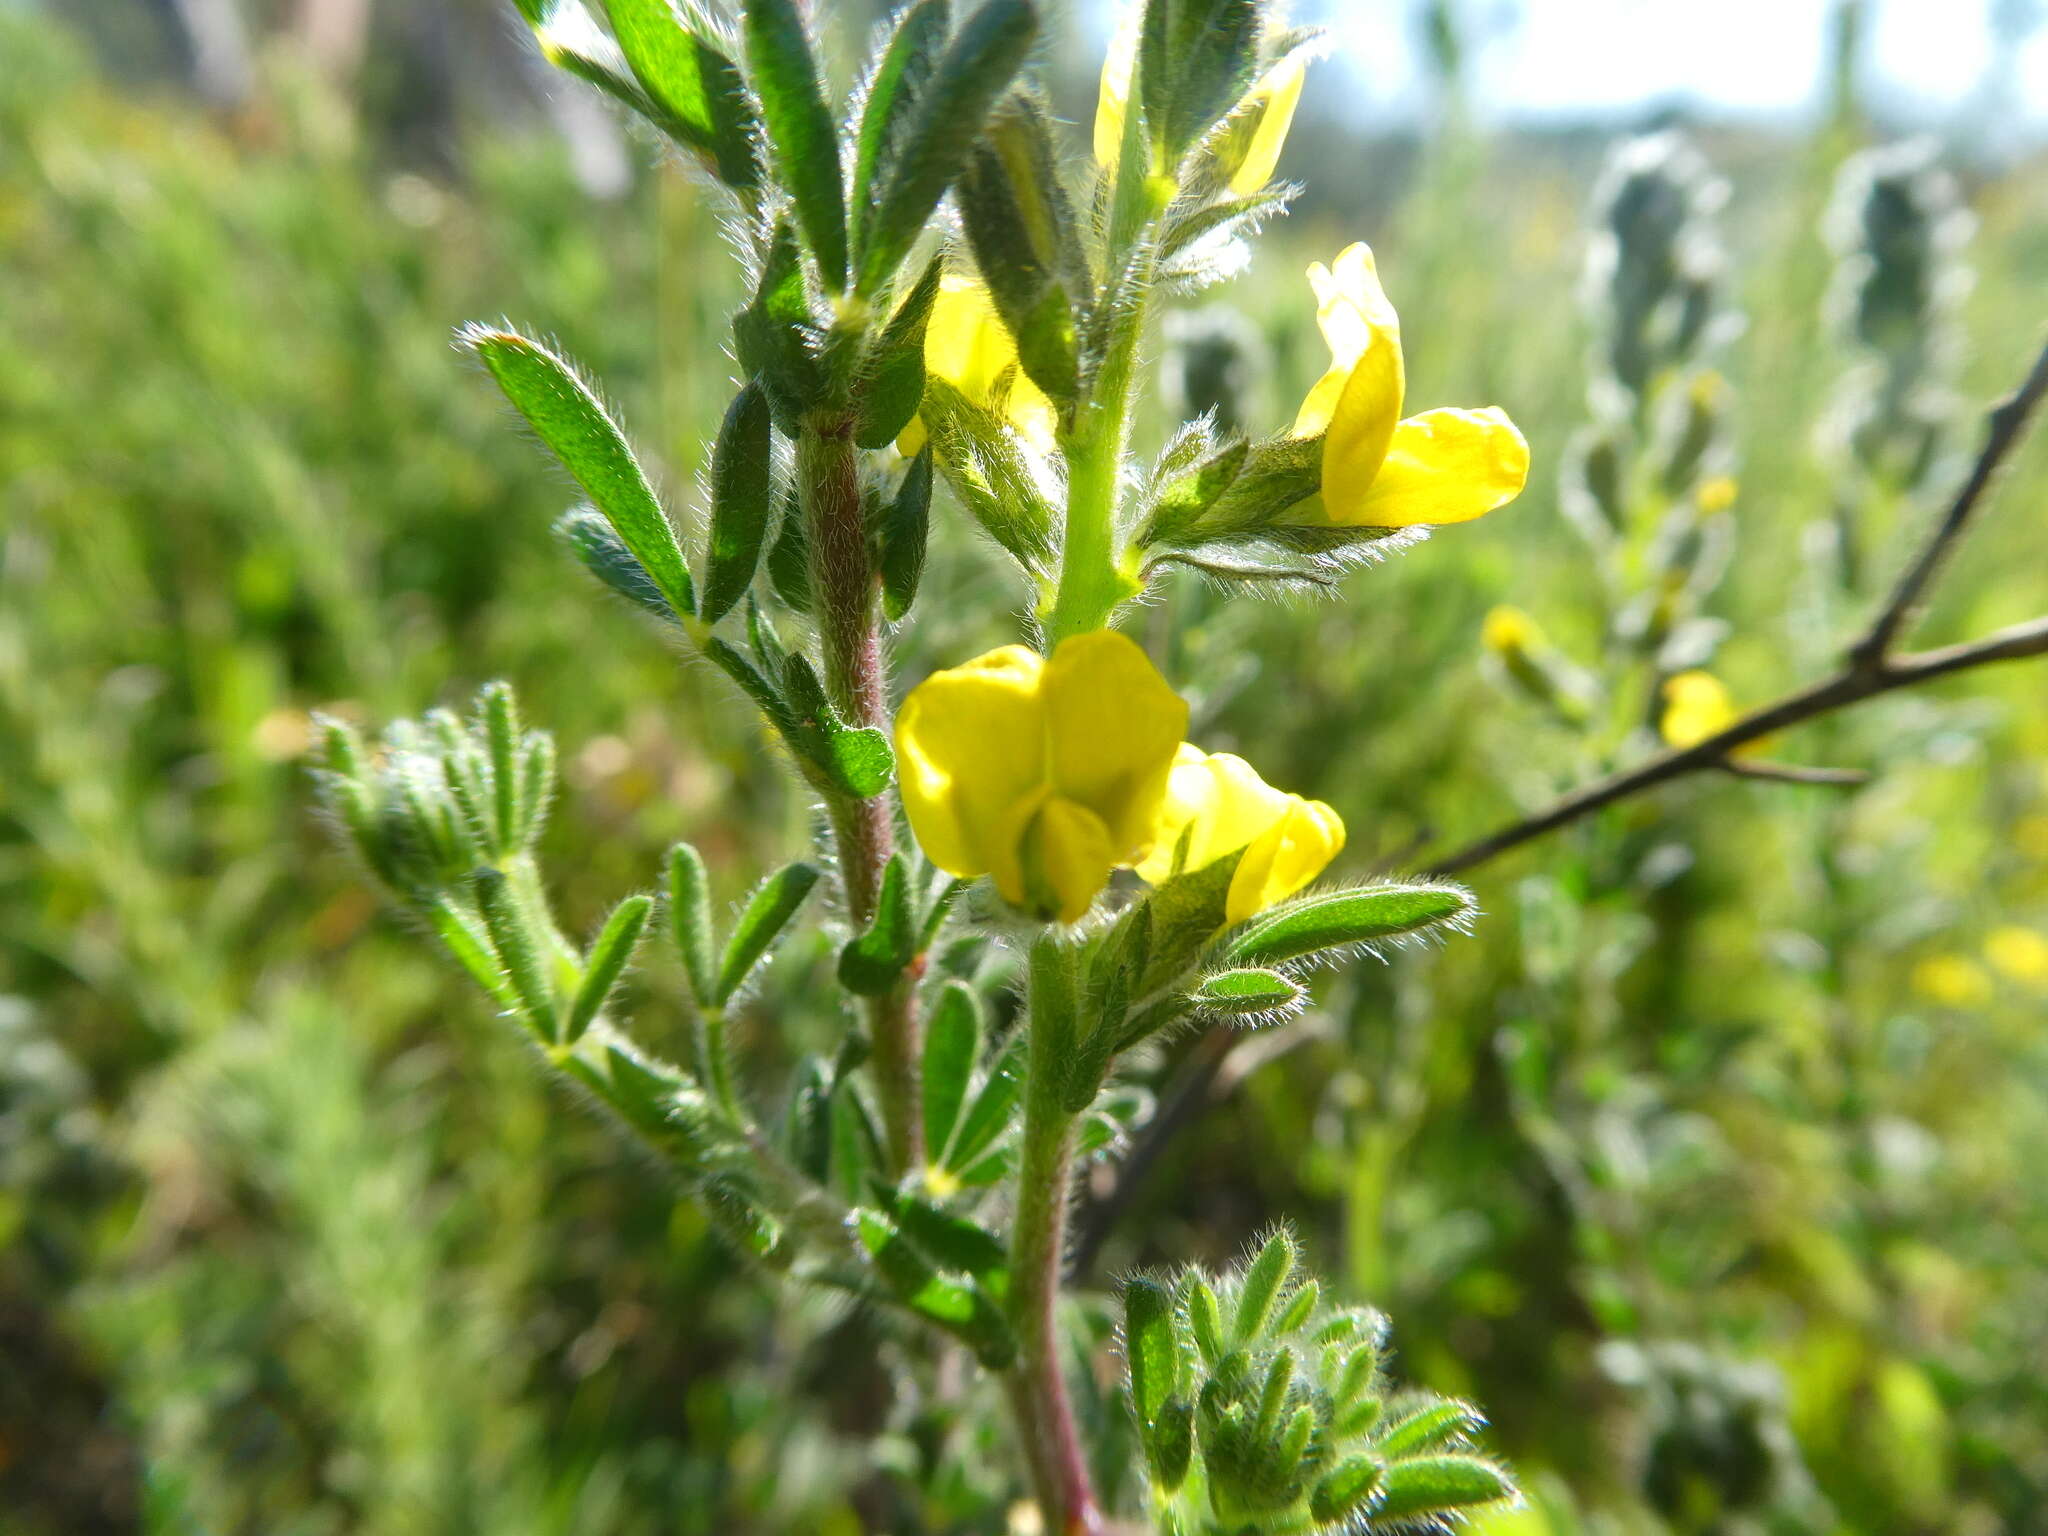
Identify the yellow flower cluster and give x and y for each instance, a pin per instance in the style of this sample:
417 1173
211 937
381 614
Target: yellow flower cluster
1049 773
1381 470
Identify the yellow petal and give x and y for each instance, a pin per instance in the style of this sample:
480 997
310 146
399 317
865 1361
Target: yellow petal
965 341
1112 728
2018 953
1274 99
1508 631
1443 466
1696 706
1351 305
1285 857
1214 805
970 749
1118 66
1068 859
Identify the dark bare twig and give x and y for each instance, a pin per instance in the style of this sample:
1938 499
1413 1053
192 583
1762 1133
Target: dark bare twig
2002 429
1872 669
1793 773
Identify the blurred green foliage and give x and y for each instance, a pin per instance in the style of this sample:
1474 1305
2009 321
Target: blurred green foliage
1710 1164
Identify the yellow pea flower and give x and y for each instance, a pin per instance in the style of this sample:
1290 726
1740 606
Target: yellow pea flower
1380 470
1113 98
1696 705
1259 123
1510 633
967 345
1216 804
1046 773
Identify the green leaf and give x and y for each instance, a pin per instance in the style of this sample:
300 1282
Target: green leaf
500 712
873 962
571 40
696 88
892 374
1345 1490
1336 919
604 554
977 68
567 415
607 961
1172 1445
767 913
1268 1273
689 916
956 1304
518 953
1425 1484
1249 994
952 1046
808 1122
800 129
459 936
855 760
772 335
1150 1354
1188 910
988 1116
856 1144
1205 1318
906 528
906 68
742 501
1432 1426
1298 1307
789 559
953 1241
988 471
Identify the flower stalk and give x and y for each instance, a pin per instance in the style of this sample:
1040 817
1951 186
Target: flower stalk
1037 1387
845 595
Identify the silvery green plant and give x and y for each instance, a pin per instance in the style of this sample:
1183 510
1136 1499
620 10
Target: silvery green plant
936 296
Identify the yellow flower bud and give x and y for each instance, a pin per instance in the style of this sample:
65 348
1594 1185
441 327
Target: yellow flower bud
1217 804
1508 632
967 345
1379 470
1044 773
1696 706
1119 66
1717 494
1258 129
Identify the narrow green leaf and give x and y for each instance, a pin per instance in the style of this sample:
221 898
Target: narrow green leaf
906 528
1237 994
952 1046
808 1122
459 936
567 415
742 501
688 76
1263 1279
689 917
1345 1490
856 760
893 373
1188 911
1298 1307
989 1115
1150 1354
772 335
1427 1484
977 68
1334 919
500 712
603 553
856 1144
873 962
953 1241
1172 1445
789 560
956 1304
1430 1427
767 913
607 961
900 78
800 129
517 951
1205 1318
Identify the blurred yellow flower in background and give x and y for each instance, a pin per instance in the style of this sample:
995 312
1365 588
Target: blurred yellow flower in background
1509 632
967 345
2018 954
1955 981
1216 804
1044 773
1696 705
